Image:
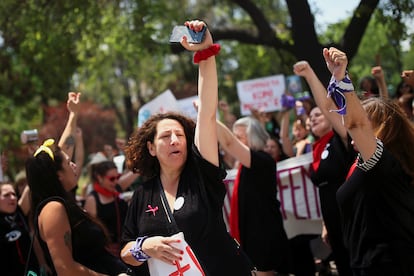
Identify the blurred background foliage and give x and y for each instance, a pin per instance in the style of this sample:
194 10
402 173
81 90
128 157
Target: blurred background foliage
116 52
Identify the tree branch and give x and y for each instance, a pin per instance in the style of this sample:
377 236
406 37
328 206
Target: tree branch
248 37
357 27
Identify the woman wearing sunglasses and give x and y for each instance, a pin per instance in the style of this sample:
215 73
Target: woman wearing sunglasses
74 243
105 203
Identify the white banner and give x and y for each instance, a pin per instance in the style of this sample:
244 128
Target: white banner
298 196
162 103
186 106
262 94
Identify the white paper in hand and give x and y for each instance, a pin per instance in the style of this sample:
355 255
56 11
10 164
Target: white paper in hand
188 266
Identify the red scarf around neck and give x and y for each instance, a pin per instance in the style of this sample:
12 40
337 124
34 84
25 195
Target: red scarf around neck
105 192
319 147
234 208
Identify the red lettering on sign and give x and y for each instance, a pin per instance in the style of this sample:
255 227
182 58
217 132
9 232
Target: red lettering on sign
180 270
280 189
256 85
259 95
298 189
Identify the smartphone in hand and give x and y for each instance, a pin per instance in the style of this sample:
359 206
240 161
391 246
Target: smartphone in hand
192 36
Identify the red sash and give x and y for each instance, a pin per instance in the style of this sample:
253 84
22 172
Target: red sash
234 208
319 147
352 168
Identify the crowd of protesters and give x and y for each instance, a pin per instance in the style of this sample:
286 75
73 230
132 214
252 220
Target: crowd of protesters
363 168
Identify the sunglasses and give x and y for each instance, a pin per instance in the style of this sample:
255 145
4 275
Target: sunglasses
112 178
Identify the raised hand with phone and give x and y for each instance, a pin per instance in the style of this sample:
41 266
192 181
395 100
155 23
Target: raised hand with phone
184 191
192 36
203 46
194 32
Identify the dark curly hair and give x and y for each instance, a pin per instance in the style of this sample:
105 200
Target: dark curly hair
138 158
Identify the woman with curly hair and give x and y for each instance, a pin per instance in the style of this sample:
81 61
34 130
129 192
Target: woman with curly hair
184 183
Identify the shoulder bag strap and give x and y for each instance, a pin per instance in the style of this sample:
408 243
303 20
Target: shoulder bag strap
167 208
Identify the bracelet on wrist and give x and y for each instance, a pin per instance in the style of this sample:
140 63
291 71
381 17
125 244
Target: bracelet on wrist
336 90
204 54
137 252
345 85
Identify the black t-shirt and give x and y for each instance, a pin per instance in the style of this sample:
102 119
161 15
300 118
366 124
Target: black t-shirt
200 218
262 235
15 244
377 208
336 159
335 162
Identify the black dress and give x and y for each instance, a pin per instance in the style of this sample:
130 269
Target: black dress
200 218
88 242
15 244
335 162
262 235
377 208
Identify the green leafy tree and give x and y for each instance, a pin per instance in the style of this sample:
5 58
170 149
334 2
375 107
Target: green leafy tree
117 53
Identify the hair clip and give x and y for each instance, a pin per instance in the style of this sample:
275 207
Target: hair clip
46 148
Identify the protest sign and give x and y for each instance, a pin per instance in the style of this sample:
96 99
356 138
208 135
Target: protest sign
262 94
188 264
293 84
186 106
162 103
299 199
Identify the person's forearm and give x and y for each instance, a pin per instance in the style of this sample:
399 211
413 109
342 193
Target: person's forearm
127 257
326 104
319 92
127 179
79 155
224 135
359 126
78 269
208 87
284 134
24 201
206 131
67 139
383 89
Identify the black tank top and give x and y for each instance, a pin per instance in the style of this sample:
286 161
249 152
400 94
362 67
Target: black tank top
112 215
88 241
